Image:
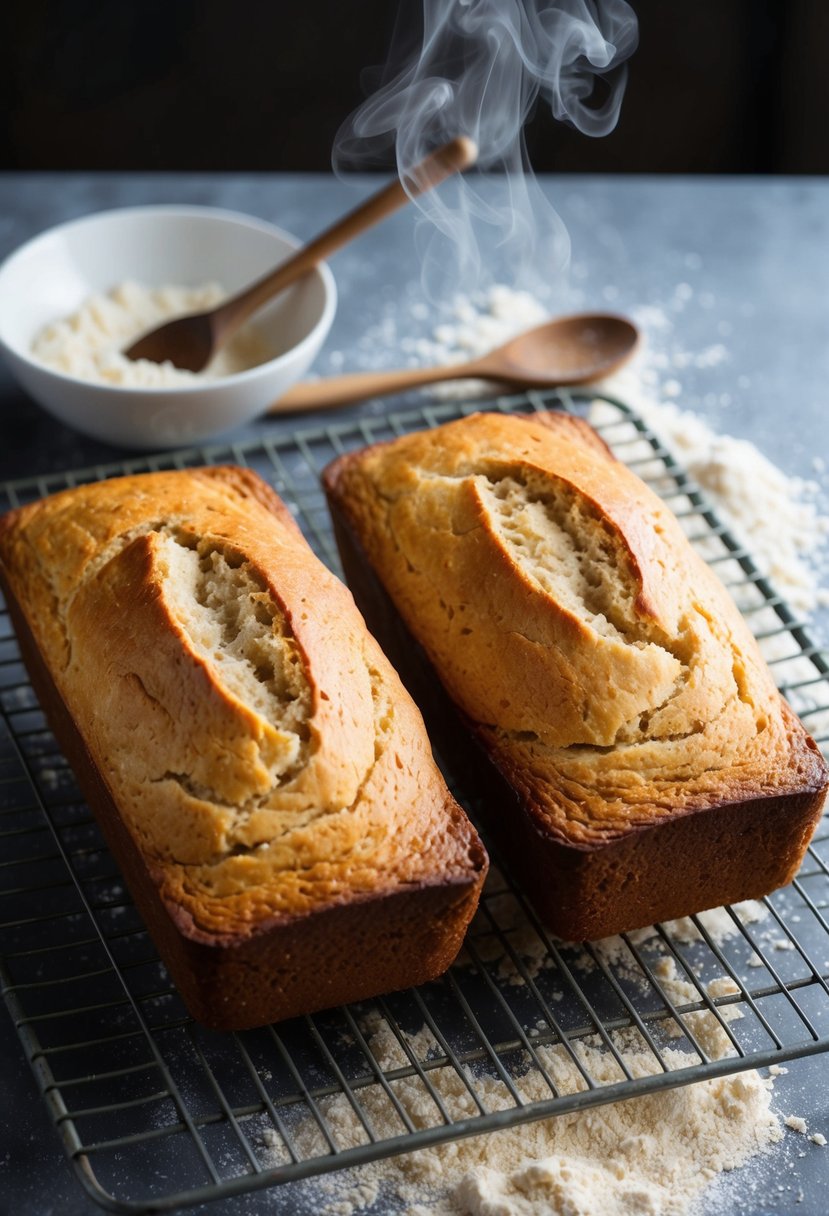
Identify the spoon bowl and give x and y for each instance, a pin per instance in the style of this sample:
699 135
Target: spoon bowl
189 338
567 350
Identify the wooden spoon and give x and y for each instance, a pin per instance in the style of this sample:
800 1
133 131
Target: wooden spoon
191 342
568 350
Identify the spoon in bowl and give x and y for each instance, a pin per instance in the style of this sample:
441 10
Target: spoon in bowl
567 350
191 342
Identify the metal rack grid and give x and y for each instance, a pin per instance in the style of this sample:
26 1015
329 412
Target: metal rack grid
155 1112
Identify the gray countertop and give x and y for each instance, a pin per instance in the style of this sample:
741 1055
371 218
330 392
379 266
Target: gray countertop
737 268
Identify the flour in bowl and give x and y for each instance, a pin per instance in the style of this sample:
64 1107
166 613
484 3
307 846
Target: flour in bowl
88 344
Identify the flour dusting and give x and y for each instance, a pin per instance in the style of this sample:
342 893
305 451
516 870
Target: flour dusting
655 1155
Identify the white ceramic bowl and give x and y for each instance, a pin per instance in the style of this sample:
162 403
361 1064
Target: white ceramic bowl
50 277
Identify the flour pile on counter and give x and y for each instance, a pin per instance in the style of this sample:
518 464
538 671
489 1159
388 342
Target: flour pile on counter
657 1155
475 327
651 1155
88 344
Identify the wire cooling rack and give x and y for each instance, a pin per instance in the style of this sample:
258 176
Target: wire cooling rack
155 1112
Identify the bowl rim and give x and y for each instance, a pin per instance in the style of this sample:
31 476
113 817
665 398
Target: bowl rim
240 219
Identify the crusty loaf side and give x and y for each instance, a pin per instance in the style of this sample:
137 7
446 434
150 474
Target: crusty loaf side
598 662
259 770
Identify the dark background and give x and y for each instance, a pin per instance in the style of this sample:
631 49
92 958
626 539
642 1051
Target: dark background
734 86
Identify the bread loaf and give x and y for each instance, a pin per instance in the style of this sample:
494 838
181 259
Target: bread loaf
647 766
261 775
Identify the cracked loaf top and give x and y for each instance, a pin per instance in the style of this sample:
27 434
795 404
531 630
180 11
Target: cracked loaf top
602 662
256 741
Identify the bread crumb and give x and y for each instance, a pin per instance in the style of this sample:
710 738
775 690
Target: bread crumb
723 987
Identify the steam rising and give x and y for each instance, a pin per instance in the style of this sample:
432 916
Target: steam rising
479 70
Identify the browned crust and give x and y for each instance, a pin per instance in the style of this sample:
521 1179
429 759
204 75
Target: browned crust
285 966
682 861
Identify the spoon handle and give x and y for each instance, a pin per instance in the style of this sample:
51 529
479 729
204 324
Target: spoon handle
453 157
358 386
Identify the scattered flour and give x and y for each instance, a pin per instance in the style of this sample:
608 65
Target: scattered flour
475 326
656 1155
650 1156
719 924
88 344
501 919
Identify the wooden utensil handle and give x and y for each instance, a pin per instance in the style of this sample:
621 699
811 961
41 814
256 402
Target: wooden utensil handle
358 386
453 157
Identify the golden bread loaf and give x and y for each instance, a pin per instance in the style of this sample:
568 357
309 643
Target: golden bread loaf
263 778
649 766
